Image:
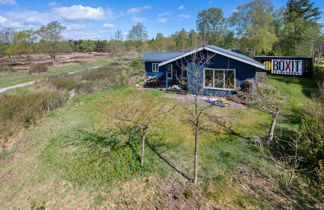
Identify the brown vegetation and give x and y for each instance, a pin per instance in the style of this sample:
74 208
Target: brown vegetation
39 67
38 62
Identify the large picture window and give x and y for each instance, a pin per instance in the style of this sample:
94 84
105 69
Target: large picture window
155 67
219 78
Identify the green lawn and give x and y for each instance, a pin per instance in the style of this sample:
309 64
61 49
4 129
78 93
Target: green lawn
66 160
14 78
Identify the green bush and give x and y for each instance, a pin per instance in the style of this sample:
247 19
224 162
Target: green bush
311 146
136 64
319 73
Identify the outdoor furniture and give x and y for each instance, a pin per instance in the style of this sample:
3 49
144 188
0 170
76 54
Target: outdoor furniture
153 81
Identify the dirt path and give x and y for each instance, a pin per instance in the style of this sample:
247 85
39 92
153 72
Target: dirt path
2 90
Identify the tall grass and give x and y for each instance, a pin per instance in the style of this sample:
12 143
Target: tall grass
21 110
98 79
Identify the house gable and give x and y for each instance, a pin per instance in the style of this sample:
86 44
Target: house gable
220 51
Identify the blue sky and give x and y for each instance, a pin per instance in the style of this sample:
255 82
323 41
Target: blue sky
99 19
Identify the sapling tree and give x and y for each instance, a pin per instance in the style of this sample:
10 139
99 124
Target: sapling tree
289 162
139 112
198 113
269 101
22 43
50 36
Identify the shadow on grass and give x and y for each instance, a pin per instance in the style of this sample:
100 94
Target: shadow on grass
294 117
106 143
111 140
309 87
156 147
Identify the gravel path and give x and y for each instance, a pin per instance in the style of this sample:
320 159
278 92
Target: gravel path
2 90
202 100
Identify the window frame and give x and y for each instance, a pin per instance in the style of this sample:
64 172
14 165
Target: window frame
171 71
184 69
156 65
224 82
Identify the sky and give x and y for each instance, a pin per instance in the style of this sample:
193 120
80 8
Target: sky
99 19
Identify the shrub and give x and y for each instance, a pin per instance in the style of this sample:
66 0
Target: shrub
311 147
136 64
115 63
100 74
319 73
39 68
65 83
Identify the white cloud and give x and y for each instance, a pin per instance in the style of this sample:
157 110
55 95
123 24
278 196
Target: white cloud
29 16
52 3
136 10
164 14
4 22
162 20
7 2
181 7
108 25
85 35
184 16
72 27
2 19
138 19
80 13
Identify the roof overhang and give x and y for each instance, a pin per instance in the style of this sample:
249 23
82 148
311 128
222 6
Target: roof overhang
259 65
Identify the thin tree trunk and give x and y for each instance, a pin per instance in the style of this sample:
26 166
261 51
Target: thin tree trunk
143 150
196 141
196 156
273 125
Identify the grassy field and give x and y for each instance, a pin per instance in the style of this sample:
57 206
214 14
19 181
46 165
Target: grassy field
66 160
14 78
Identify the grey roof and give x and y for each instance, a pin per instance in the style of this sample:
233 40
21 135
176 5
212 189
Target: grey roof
160 56
166 57
234 54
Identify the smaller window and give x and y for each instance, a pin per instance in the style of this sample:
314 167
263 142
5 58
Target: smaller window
184 72
155 67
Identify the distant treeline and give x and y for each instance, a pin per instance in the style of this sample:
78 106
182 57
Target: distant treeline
254 28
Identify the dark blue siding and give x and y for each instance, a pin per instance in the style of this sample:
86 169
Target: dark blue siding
243 71
149 72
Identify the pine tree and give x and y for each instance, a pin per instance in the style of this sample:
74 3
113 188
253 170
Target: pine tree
301 9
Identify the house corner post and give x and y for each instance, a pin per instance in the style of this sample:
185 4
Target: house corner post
166 80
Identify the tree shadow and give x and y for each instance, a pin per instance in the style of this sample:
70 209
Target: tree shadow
294 117
158 147
108 141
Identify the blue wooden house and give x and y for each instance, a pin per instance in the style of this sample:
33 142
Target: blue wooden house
211 70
